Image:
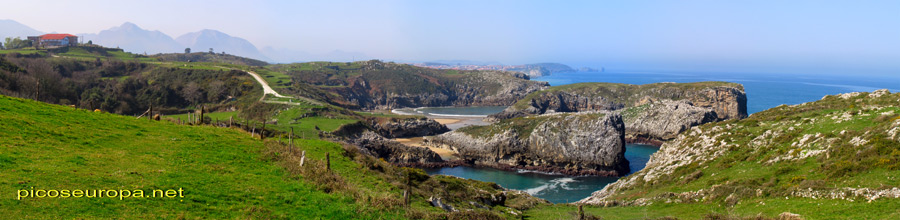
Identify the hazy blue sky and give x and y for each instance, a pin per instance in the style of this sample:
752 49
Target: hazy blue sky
738 36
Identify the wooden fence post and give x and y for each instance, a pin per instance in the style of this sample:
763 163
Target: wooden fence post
580 212
406 192
263 129
302 158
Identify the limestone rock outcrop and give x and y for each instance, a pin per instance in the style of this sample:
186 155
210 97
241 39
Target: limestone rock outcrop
391 151
663 120
407 127
672 107
586 143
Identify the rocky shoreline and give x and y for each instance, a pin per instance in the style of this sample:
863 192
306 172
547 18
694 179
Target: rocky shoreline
580 131
653 113
589 143
642 140
541 169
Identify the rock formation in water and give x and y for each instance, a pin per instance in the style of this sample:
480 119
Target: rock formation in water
587 143
671 107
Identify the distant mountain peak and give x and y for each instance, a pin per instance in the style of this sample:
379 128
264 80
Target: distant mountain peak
12 28
132 38
220 42
129 26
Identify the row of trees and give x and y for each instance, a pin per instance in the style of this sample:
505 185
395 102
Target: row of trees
15 43
117 86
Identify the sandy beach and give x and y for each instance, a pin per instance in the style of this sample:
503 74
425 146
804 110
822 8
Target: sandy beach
446 121
445 154
454 123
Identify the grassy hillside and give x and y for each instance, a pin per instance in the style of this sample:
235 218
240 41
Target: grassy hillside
223 173
209 58
371 84
834 158
107 79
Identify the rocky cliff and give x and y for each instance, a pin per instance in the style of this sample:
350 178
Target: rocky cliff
843 147
587 143
655 121
691 103
543 69
407 127
391 151
379 85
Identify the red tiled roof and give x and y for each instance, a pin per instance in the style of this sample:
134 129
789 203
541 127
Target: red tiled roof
55 36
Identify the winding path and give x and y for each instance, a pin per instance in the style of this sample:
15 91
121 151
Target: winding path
268 90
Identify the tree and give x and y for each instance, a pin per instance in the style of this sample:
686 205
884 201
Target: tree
16 43
191 93
211 51
90 42
1 46
187 50
216 89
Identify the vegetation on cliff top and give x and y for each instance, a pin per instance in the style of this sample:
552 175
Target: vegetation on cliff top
835 157
523 126
626 94
107 80
366 84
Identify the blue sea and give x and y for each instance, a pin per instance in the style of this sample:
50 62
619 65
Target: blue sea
764 91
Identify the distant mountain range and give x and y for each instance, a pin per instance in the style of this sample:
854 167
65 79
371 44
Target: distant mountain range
10 28
132 38
220 42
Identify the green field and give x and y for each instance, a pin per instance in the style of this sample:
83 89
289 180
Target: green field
221 116
83 54
24 51
276 80
221 171
765 208
306 126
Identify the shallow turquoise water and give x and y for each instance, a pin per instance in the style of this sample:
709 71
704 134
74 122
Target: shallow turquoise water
554 188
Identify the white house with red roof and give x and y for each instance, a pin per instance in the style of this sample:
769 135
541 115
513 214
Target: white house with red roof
54 40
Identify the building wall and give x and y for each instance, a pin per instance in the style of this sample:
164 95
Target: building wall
73 41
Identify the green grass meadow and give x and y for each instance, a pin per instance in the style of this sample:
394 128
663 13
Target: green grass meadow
221 171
